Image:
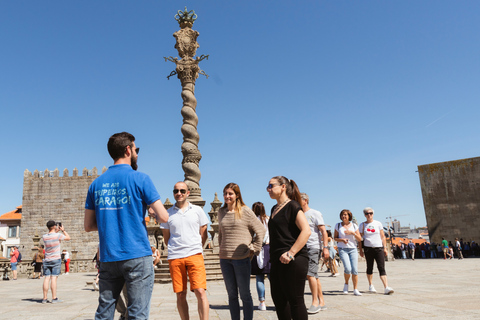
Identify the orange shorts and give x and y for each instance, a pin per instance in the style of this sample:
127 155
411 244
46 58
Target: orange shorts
196 272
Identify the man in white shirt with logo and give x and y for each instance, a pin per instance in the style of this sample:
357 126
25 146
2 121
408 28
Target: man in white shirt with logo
318 233
185 233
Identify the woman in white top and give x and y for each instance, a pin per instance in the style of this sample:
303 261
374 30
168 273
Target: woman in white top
347 235
374 248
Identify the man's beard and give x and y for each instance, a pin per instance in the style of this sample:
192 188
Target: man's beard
134 164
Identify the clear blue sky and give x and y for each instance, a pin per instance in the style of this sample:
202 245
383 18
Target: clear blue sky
345 97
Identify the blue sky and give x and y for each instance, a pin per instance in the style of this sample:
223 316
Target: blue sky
345 97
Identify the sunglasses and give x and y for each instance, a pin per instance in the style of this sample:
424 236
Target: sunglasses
271 185
368 213
182 191
137 150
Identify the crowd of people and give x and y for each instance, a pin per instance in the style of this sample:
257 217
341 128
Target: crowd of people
285 247
444 250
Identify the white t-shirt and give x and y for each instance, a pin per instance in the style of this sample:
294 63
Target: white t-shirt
314 219
371 234
67 255
352 243
185 239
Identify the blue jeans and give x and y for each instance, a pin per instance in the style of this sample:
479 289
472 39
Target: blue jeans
349 257
138 276
261 286
404 254
236 275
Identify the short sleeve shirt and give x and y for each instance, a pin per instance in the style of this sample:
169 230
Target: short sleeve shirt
52 246
119 198
371 234
352 243
184 225
314 219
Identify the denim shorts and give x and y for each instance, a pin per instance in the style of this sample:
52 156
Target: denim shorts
52 267
14 265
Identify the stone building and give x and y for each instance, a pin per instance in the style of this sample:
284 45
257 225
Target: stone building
451 199
47 196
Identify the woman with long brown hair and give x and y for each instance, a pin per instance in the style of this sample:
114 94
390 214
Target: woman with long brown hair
289 232
240 237
261 264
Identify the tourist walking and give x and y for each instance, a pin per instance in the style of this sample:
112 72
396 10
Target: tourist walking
289 232
347 235
14 254
444 248
261 264
185 234
318 239
119 197
52 264
66 258
240 237
374 248
458 247
411 249
332 264
38 260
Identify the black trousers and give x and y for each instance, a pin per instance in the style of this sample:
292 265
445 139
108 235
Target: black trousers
375 254
287 283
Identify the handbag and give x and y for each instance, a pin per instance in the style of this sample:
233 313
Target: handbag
261 259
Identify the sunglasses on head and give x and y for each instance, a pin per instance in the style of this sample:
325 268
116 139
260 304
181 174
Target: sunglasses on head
182 191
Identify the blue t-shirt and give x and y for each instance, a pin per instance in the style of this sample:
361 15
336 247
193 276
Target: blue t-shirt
119 198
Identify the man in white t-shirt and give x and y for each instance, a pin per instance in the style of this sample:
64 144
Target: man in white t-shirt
314 244
185 233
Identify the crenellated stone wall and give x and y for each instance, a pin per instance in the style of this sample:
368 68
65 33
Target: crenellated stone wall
48 196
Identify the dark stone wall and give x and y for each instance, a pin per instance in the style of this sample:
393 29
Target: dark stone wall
451 197
48 196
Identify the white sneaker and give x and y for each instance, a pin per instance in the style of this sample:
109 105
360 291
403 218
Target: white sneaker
388 290
262 306
66 273
345 288
371 289
356 292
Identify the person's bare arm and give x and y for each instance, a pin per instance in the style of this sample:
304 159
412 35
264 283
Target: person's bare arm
90 221
326 252
67 236
203 233
161 213
166 236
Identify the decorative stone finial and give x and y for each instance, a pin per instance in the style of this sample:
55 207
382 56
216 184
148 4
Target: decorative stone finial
186 18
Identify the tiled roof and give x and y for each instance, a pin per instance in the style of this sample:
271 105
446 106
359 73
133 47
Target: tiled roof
397 240
12 215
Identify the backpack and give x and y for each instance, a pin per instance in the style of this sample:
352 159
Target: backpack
19 258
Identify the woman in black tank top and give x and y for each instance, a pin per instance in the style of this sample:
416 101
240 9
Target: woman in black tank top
289 232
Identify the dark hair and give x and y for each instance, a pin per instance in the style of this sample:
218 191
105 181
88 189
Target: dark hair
259 211
329 233
51 224
117 144
347 212
238 201
292 189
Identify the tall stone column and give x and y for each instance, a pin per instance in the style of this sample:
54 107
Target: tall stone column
187 70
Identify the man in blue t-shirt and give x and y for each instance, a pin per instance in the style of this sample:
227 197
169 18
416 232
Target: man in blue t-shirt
115 207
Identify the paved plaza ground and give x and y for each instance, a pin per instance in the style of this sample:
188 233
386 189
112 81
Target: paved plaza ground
424 289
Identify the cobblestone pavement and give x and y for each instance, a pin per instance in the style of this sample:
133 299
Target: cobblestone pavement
426 289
